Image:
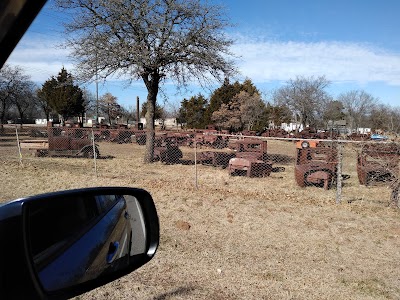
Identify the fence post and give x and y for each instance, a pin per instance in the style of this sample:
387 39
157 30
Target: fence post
195 165
339 174
395 187
94 154
19 146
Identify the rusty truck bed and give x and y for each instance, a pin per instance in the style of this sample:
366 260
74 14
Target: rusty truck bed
34 144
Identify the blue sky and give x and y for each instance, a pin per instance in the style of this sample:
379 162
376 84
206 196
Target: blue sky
354 43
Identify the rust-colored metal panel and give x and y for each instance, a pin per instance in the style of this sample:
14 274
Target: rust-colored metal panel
316 164
250 168
378 163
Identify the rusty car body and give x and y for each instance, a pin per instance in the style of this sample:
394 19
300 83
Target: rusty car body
316 164
167 150
215 140
215 158
209 138
64 141
140 137
377 163
250 158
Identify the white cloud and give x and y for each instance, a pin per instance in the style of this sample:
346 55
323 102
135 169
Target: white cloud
264 61
260 60
41 58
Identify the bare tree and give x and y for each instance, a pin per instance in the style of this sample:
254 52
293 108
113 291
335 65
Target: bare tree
305 97
12 80
90 103
109 105
279 114
384 117
357 105
393 120
151 40
24 98
43 104
332 111
128 113
171 110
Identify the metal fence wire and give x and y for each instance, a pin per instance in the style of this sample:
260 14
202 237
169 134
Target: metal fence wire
343 165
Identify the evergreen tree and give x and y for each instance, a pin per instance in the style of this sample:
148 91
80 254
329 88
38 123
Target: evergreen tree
192 112
244 111
225 94
65 98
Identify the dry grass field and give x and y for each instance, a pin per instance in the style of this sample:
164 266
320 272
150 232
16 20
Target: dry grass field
236 237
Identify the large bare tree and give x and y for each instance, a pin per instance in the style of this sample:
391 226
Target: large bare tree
12 81
358 105
305 97
151 40
25 99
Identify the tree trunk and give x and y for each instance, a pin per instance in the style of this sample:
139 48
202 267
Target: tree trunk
152 81
108 113
21 115
150 128
3 113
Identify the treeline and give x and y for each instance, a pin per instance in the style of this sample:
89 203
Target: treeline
59 99
23 101
238 106
233 106
18 98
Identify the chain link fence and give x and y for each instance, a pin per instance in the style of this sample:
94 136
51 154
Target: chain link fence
355 169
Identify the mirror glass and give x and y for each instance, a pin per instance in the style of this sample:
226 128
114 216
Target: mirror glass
80 238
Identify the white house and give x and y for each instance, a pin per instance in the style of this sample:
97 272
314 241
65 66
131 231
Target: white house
289 127
168 122
42 121
363 130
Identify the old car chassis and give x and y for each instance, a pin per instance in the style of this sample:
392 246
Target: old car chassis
316 164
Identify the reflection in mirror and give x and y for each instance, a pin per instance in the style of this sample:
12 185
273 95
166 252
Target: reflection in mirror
76 239
137 224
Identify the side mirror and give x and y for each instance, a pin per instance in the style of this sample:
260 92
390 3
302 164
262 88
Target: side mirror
59 245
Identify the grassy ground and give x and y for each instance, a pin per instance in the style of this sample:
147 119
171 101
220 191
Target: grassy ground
236 237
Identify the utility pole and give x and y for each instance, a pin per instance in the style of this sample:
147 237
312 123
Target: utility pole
137 113
97 93
97 83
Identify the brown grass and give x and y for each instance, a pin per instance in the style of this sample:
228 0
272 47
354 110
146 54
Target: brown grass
249 238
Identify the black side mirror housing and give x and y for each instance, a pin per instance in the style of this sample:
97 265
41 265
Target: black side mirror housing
15 18
60 245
